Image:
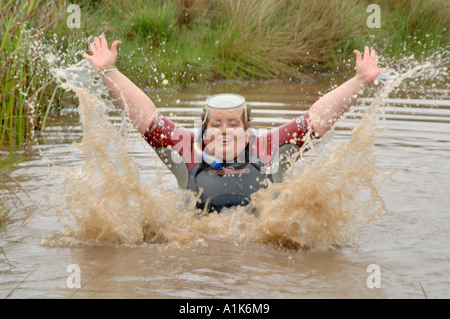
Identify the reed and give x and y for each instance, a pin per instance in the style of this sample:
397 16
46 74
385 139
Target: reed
26 93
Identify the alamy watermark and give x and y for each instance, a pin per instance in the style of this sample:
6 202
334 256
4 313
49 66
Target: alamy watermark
374 19
74 19
374 279
74 279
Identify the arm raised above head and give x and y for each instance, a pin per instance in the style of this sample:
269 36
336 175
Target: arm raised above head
139 107
329 108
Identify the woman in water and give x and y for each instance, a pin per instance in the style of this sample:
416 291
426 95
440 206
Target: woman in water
224 160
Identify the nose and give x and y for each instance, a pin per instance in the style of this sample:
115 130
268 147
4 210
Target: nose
224 129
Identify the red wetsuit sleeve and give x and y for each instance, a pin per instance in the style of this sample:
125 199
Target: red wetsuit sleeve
163 132
294 132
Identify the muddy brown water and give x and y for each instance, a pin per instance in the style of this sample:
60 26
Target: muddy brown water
237 255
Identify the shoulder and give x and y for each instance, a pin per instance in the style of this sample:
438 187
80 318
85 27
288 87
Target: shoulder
292 131
163 131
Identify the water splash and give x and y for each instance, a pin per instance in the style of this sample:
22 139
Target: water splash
326 205
337 195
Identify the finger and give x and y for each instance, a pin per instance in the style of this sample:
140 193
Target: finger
372 53
97 43
376 59
87 57
103 41
92 47
114 46
358 55
366 52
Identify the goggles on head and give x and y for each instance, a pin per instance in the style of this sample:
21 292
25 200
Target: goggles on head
226 101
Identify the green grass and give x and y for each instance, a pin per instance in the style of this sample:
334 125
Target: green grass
175 42
210 40
182 41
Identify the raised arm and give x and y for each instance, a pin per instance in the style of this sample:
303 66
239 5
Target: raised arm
138 106
327 110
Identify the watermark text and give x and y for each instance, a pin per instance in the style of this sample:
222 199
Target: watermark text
74 19
74 279
374 19
374 279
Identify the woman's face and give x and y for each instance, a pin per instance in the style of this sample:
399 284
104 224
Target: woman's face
225 135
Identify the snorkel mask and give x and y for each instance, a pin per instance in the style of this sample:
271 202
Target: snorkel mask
224 101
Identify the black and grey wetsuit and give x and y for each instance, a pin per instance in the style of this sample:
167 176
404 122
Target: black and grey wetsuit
264 161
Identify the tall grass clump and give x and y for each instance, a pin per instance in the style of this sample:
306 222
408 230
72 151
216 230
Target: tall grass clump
26 93
33 39
266 39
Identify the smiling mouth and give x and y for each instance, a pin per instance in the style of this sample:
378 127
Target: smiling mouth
227 141
224 139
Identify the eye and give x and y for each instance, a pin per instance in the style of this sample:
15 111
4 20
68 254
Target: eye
214 124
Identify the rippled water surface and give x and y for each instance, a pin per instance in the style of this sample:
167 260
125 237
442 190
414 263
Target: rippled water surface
409 242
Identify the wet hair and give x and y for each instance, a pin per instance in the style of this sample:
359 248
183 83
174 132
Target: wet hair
246 124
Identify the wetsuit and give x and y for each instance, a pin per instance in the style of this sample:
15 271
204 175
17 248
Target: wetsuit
264 160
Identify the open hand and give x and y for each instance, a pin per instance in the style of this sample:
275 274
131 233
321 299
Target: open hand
101 56
367 66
